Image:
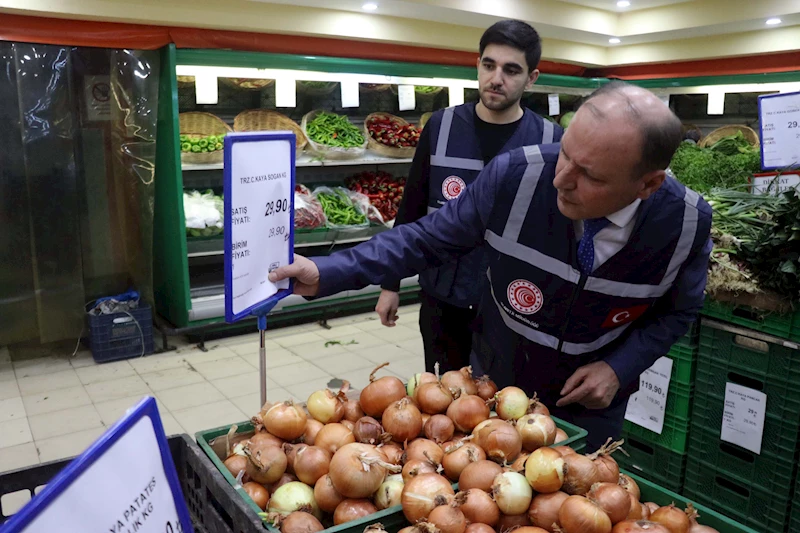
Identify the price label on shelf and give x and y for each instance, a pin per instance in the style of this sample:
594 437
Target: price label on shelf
350 94
406 98
743 417
553 105
259 218
285 92
779 121
647 406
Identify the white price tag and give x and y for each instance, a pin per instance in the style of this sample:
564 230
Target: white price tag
406 97
780 130
350 96
776 185
206 89
285 92
646 407
743 418
553 105
456 94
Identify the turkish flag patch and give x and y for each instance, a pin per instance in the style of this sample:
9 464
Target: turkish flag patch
618 317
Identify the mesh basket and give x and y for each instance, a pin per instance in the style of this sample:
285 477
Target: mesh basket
266 120
380 148
749 134
331 152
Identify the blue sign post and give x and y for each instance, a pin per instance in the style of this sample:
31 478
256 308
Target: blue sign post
259 226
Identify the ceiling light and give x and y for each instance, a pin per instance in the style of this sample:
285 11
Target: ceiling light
614 40
772 22
623 3
370 6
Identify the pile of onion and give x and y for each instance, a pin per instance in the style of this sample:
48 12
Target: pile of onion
460 380
381 393
511 403
285 421
499 439
468 411
536 431
358 470
579 514
402 420
422 494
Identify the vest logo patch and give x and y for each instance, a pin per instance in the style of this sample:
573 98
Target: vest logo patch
618 317
525 297
453 187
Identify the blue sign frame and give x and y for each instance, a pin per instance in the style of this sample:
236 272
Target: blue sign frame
761 126
145 408
231 138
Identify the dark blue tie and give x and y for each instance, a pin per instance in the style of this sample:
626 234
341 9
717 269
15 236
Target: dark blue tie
591 227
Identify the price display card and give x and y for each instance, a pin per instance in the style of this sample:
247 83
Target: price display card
779 119
259 218
646 407
125 482
743 418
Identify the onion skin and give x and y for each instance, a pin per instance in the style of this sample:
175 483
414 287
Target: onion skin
263 438
325 406
389 494
633 526
580 474
439 429
501 441
627 483
477 528
536 431
424 450
479 475
350 510
257 493
511 403
334 436
285 478
544 470
561 435
460 379
312 428
381 393
420 494
347 471
478 507
367 430
509 523
235 464
486 388
433 398
286 421
638 511
612 499
448 519
293 497
353 411
672 518
326 495
607 468
311 464
402 420
467 412
565 450
266 464
543 511
415 467
652 507
393 453
456 461
291 453
301 522
419 379
519 464
512 493
580 515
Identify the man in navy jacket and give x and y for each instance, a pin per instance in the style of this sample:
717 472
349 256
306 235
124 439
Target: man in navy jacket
597 258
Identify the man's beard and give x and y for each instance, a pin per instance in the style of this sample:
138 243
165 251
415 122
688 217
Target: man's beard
501 105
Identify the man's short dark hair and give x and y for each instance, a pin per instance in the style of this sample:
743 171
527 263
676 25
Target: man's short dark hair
516 34
661 135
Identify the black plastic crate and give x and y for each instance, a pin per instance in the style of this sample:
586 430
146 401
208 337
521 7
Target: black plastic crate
658 464
121 335
214 505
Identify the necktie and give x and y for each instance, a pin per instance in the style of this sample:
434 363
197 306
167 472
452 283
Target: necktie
591 227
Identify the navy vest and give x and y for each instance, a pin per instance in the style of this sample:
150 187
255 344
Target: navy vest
558 317
456 160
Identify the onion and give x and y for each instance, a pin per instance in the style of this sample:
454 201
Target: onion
294 496
564 450
607 467
439 428
263 438
581 515
536 431
693 516
419 379
536 407
402 420
612 499
433 398
325 406
652 507
285 478
627 483
479 475
500 440
257 493
467 412
312 428
511 403
300 522
477 528
460 380
530 529
448 518
393 453
352 410
561 435
368 430
334 436
519 464
632 526
420 494
580 473
326 495
357 470
286 421
265 463
478 506
350 510
408 529
512 492
349 425
486 388
544 470
235 464
291 452
638 511
425 418
458 456
672 518
381 393
424 450
389 493
543 511
415 467
311 464
510 523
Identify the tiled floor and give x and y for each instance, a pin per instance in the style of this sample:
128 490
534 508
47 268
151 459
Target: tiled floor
56 406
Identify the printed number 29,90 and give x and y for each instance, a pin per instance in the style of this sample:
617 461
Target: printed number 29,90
793 124
276 207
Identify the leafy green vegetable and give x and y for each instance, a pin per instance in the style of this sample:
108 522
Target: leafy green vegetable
732 145
425 89
702 169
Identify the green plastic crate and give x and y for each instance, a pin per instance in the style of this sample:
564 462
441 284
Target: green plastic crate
674 436
576 436
651 492
784 326
689 339
753 506
770 472
684 361
794 519
656 463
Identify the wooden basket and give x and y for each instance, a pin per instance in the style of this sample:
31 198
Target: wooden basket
749 135
326 89
382 149
196 124
331 152
266 120
248 84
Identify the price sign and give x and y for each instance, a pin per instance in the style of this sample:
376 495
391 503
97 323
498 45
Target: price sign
259 218
743 417
779 120
553 105
775 184
126 481
646 407
406 98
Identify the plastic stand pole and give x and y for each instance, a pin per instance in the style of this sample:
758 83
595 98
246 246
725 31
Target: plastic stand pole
262 359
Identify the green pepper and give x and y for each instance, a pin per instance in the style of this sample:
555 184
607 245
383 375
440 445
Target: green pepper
203 143
204 150
183 138
194 141
218 146
186 147
196 149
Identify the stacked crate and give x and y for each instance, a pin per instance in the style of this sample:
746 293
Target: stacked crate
753 488
662 457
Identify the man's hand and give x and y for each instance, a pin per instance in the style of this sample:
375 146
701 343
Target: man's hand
593 386
304 271
388 302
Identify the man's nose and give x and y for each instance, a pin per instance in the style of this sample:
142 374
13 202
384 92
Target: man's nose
566 177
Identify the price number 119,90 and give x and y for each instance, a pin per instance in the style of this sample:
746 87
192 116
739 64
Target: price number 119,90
276 207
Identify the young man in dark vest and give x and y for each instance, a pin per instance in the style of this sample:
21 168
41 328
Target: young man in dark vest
597 258
454 146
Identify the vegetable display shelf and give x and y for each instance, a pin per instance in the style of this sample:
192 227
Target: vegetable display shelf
651 461
784 326
214 506
306 159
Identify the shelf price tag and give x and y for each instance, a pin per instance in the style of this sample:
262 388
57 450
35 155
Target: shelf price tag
285 92
779 123
646 407
125 481
259 218
553 105
406 97
455 94
743 417
350 95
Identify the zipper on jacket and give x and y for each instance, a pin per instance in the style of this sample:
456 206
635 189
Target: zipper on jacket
575 293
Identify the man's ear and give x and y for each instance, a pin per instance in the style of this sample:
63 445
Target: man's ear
532 77
651 182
